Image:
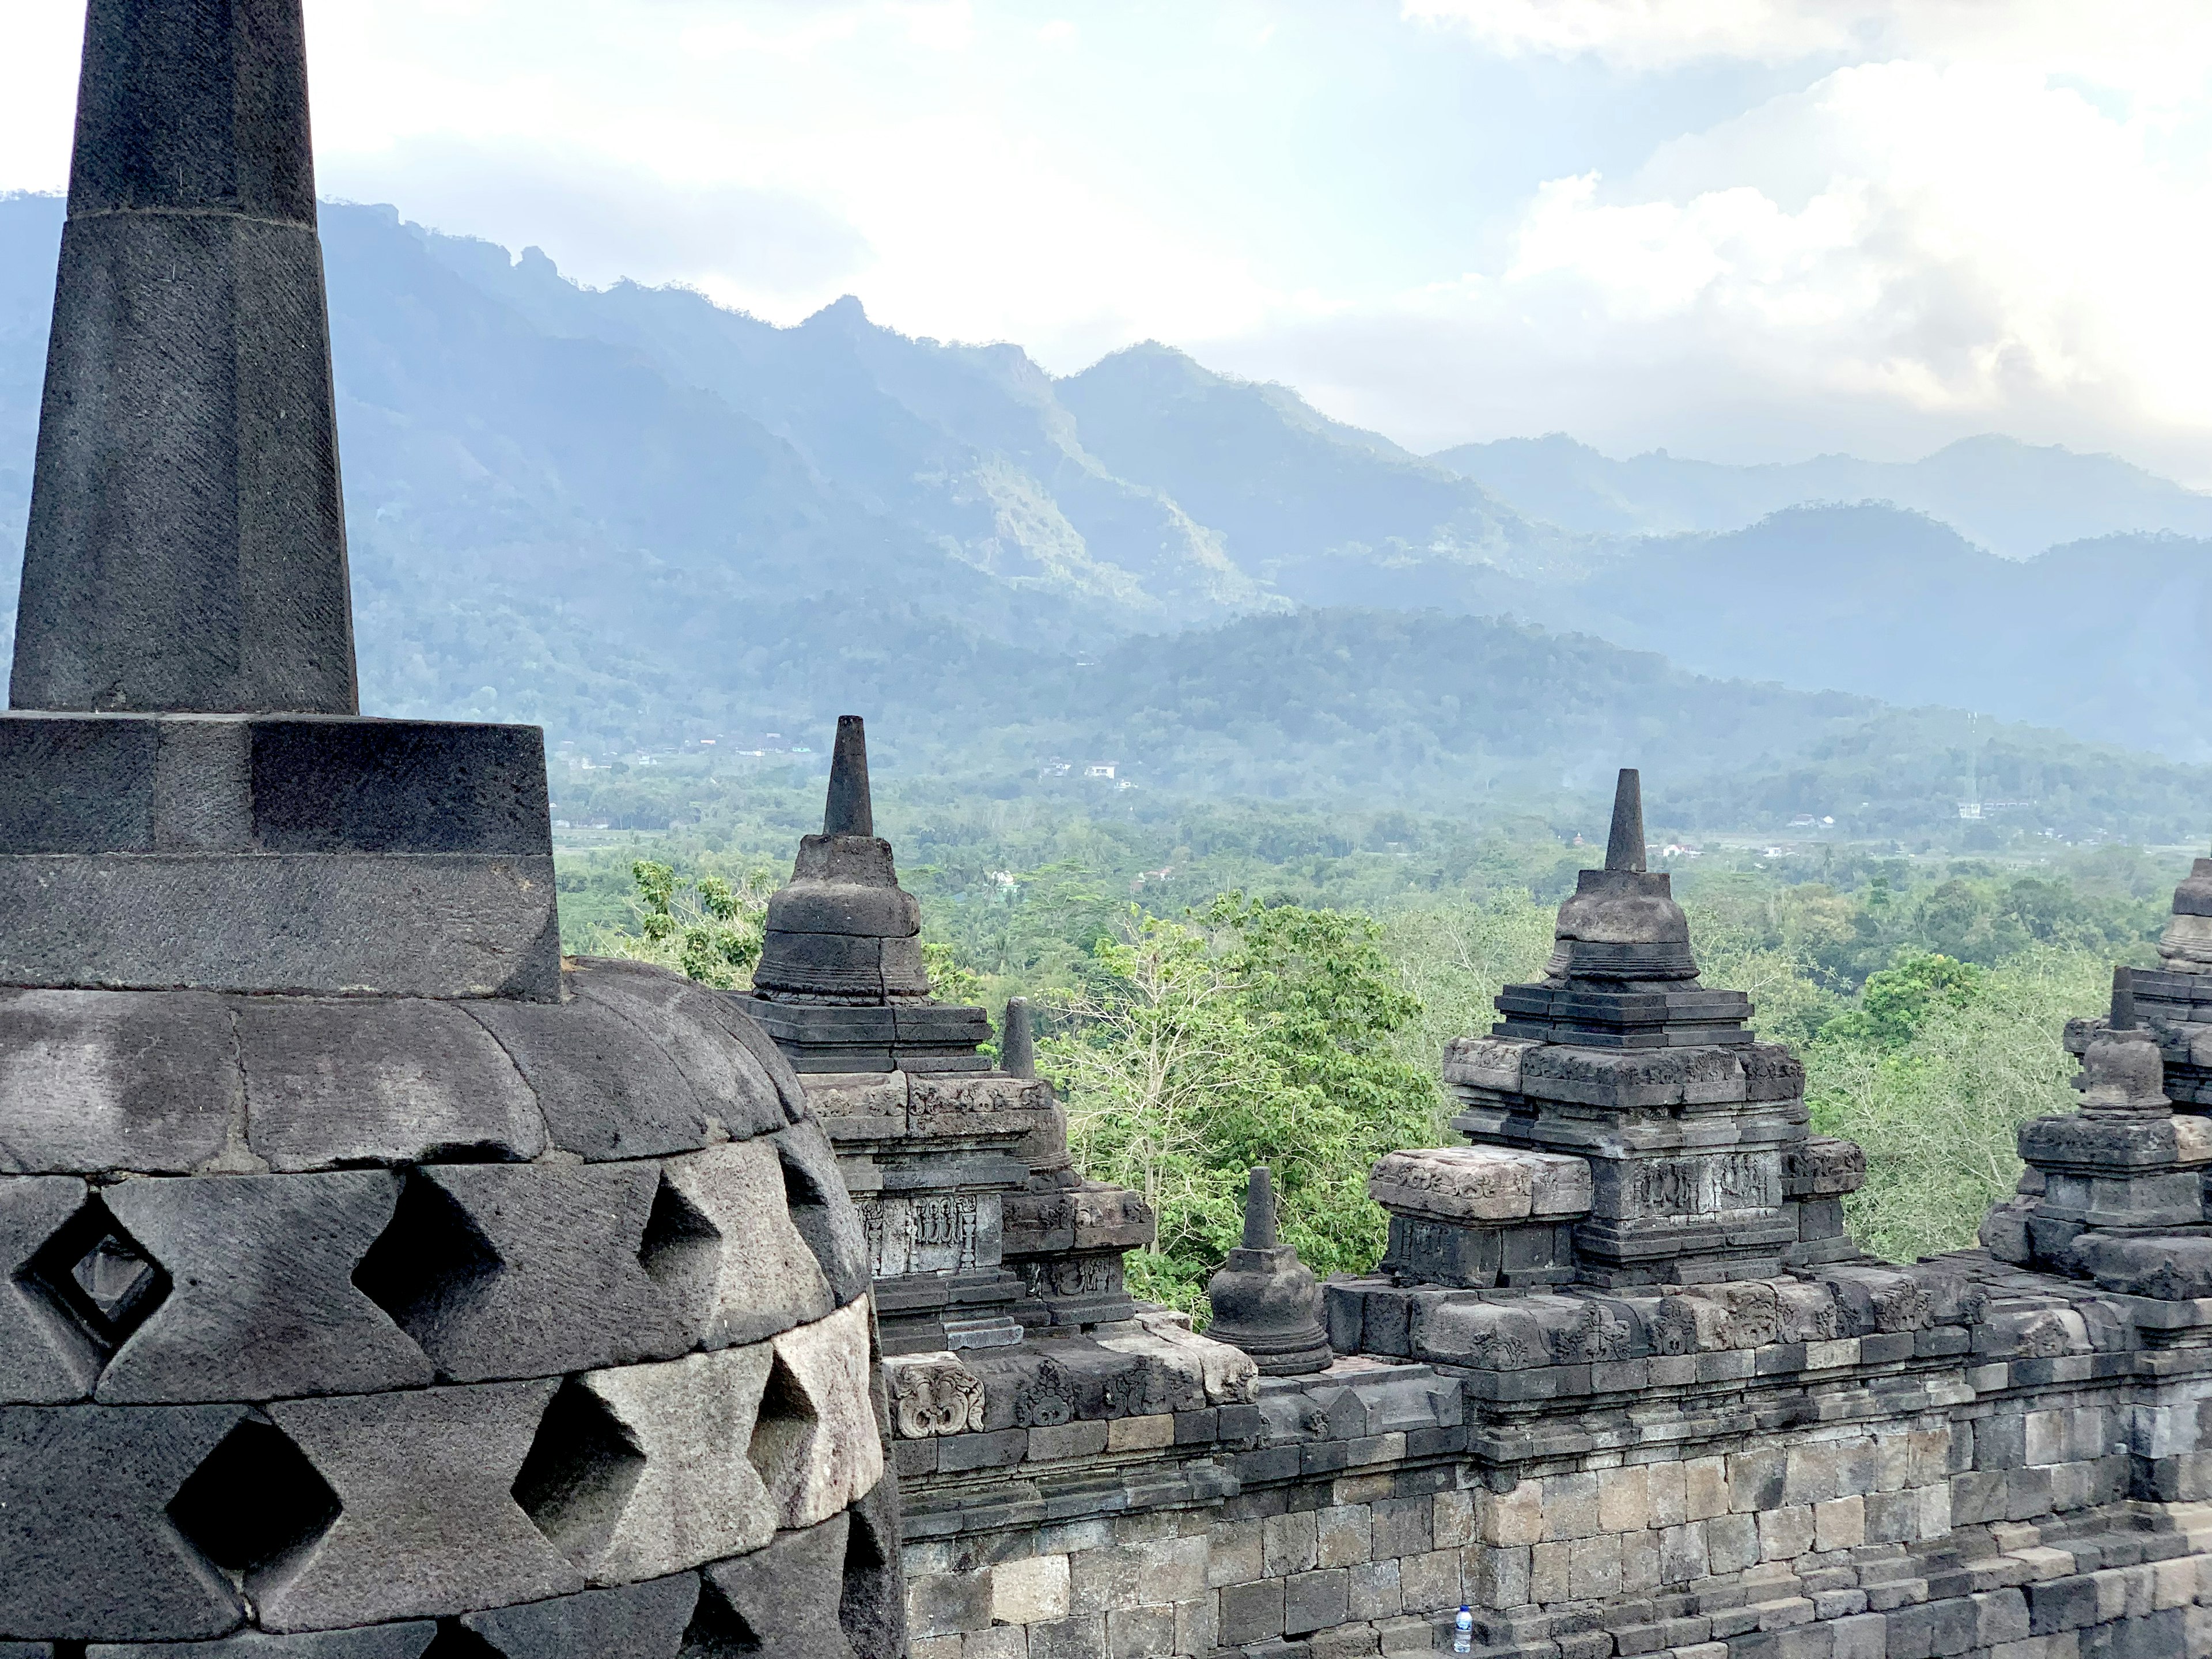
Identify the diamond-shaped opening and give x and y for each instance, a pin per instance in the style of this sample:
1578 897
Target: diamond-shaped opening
428 1263
455 1640
717 1630
254 1504
783 1434
581 1469
678 1250
869 1606
102 1279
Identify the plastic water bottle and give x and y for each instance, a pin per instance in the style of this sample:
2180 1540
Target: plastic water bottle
1463 1630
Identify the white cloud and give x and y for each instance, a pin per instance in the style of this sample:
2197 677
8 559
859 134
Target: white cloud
1903 250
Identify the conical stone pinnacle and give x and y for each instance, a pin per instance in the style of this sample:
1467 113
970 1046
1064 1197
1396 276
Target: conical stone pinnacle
1624 847
848 811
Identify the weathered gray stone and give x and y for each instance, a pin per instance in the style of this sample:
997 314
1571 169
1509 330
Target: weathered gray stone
695 1496
1480 1183
380 1642
99 1080
685 1019
427 1524
262 1302
116 1569
872 1608
787 1595
508 1271
636 1621
385 1080
608 1090
283 923
832 1229
817 1444
187 544
44 1360
756 1275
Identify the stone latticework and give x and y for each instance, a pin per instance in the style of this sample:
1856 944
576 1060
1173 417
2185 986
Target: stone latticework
1624 1385
376 1284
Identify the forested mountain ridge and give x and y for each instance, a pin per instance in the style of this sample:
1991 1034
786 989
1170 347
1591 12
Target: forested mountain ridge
2013 499
637 519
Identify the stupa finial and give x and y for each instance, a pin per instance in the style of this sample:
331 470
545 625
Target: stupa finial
1017 1044
1624 847
2123 1000
186 551
1260 1232
848 811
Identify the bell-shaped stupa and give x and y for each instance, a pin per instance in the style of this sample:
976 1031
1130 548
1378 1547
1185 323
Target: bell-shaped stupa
375 1283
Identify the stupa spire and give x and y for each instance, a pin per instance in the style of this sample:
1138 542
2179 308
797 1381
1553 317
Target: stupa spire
848 811
187 544
1624 847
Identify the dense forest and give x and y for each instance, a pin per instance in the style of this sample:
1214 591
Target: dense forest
1303 969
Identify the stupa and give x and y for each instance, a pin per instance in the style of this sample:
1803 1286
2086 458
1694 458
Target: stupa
376 1283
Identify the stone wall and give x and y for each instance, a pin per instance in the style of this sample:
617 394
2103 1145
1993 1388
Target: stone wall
2013 1471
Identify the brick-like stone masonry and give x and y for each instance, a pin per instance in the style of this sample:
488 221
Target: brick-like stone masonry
1625 1387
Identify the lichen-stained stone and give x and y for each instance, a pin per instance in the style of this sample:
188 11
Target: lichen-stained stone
99 1080
378 1641
979 1103
755 1276
728 1080
817 1446
696 1495
43 1360
607 1089
568 1290
87 1552
636 1621
340 1080
262 1302
427 1524
786 1595
830 1225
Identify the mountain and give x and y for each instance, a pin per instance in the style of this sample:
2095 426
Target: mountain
640 519
2012 498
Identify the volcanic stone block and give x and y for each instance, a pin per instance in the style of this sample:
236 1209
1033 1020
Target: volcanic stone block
680 1491
431 924
872 1608
97 1081
428 1523
818 1445
845 908
636 1621
685 1020
955 1105
380 1642
263 1303
2171 1269
1480 1183
44 1360
832 1230
605 1093
183 355
722 1245
502 1271
379 1080
154 783
116 1569
786 1597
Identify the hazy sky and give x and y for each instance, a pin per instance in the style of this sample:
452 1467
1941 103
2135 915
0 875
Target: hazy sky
1741 229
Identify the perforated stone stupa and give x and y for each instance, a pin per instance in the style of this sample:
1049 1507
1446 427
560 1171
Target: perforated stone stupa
372 1282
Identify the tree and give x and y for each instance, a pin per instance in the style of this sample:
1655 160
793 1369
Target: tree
1248 1034
707 927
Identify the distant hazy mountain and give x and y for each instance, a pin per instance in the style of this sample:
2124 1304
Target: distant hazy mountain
636 518
2012 498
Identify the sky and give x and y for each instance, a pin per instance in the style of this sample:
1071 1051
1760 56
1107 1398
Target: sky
1739 229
